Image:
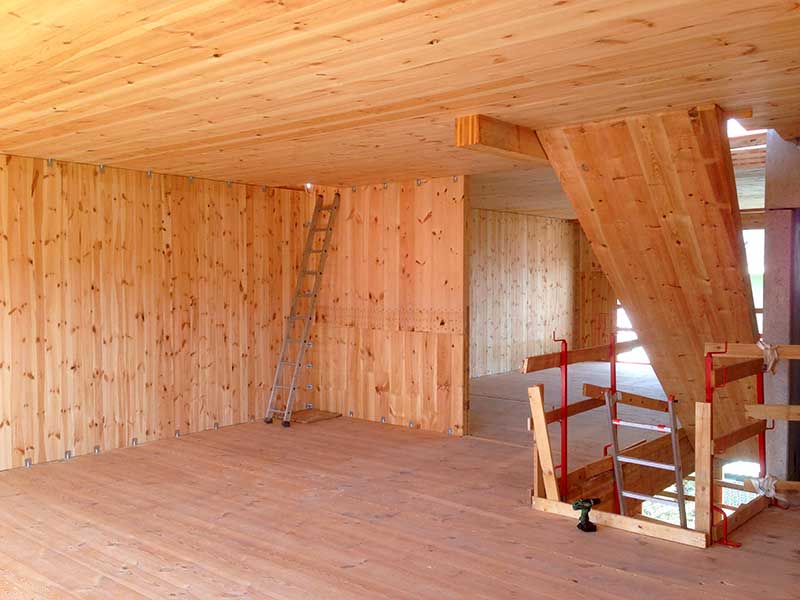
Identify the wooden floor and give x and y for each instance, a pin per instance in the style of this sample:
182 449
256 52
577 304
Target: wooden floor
499 407
343 509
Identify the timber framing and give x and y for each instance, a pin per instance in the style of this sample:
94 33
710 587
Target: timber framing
593 353
596 480
485 134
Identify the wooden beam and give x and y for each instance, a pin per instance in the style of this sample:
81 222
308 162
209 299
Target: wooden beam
536 398
722 375
778 412
596 479
725 442
785 352
628 398
486 134
703 467
538 480
747 141
662 531
780 486
593 353
741 515
790 133
677 265
553 415
754 218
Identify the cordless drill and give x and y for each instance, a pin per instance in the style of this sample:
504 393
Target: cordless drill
585 505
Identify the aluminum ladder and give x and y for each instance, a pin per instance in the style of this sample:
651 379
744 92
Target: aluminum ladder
301 315
620 459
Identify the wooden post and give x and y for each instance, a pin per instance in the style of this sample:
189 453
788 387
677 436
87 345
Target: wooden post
703 467
538 480
536 397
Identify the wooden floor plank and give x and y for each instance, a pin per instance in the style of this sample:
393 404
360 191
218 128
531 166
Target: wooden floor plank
346 510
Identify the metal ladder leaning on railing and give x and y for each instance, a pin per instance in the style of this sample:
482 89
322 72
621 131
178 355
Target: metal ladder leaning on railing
620 459
296 340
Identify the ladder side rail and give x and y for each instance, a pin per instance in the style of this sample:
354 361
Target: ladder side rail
312 306
313 297
615 452
676 451
288 324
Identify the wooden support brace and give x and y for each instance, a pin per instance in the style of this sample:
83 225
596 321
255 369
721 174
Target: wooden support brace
486 134
780 486
662 531
727 441
596 391
778 412
554 415
703 467
785 352
544 453
742 515
593 353
754 218
723 375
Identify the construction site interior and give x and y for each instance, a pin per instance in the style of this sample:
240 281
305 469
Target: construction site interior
400 300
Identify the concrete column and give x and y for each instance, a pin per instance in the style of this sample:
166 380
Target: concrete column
781 295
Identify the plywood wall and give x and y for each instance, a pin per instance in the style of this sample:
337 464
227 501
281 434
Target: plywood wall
390 332
530 277
135 305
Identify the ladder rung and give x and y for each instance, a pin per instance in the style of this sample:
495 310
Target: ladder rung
311 273
648 426
299 318
638 496
328 207
318 229
317 251
645 463
290 362
284 387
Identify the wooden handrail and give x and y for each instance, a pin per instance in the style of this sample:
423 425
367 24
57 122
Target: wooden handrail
593 353
722 375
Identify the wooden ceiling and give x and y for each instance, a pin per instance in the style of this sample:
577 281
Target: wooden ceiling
537 191
353 92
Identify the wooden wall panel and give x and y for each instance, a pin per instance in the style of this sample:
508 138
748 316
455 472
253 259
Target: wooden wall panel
529 277
135 305
657 199
596 302
389 341
126 308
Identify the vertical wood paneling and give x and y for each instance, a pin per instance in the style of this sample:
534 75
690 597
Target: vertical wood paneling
529 277
135 305
389 338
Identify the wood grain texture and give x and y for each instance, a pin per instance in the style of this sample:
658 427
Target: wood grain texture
390 335
370 513
529 277
132 306
656 197
531 191
342 93
485 134
595 303
522 288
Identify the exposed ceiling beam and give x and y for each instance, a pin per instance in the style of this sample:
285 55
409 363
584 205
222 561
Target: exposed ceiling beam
789 132
479 132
